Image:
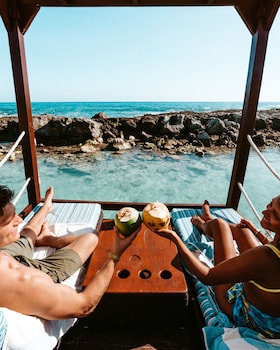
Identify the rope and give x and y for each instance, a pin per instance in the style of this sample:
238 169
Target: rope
268 234
262 157
21 191
3 161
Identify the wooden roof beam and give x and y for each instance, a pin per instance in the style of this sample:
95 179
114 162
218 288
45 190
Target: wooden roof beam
27 16
14 14
252 13
4 12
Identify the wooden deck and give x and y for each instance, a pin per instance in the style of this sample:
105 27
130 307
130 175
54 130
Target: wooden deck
145 302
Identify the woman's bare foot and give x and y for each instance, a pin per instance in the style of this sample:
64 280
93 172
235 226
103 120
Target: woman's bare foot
44 237
206 214
198 222
201 225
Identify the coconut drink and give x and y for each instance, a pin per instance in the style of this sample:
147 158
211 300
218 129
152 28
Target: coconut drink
127 220
156 216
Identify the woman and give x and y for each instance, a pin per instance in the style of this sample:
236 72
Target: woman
247 286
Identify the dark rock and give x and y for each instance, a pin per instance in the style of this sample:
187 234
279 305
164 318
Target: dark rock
173 124
235 117
9 129
151 125
130 126
259 140
204 138
169 132
276 123
193 126
261 123
215 126
67 131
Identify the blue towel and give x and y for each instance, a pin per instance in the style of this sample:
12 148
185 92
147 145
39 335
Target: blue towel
241 338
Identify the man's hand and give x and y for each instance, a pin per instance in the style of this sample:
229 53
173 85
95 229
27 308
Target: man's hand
120 243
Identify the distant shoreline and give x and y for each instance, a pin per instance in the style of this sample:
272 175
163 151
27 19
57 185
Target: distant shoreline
171 133
129 109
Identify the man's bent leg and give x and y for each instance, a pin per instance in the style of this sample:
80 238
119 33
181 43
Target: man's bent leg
84 245
65 261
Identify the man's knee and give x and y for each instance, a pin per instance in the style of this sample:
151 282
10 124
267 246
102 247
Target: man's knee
84 245
91 240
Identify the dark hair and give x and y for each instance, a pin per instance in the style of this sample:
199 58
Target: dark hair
6 195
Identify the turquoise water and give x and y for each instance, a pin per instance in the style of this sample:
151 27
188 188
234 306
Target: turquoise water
144 176
124 109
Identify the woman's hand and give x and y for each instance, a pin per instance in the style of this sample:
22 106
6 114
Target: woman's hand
248 224
166 233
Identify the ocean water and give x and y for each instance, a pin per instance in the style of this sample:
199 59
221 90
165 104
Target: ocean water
124 109
144 176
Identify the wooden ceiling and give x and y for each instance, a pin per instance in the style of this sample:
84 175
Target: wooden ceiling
23 12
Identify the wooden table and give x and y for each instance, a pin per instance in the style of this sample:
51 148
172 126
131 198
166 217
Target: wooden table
148 286
149 265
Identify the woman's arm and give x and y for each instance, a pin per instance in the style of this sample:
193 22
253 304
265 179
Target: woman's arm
247 223
248 265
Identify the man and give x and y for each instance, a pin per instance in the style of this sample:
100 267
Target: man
28 285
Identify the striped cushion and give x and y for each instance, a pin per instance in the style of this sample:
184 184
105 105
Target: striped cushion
239 338
202 246
73 213
3 328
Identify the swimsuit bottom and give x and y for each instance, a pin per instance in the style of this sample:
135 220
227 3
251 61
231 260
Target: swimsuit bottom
247 315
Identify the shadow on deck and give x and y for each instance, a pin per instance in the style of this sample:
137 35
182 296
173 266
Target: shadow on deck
173 327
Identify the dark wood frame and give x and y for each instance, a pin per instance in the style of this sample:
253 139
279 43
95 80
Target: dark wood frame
258 16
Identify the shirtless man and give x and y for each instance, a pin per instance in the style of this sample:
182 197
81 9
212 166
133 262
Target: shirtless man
247 286
31 291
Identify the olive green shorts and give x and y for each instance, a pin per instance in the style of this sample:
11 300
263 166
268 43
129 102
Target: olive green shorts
59 265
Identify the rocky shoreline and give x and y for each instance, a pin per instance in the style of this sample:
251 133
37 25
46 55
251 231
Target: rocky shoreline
171 133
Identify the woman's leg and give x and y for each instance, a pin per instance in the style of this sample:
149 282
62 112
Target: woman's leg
244 237
220 231
224 248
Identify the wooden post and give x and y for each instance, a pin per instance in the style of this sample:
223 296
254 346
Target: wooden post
254 78
18 60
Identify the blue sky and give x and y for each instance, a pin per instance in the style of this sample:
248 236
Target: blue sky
139 54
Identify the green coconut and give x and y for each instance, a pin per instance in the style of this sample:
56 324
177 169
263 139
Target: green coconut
127 220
